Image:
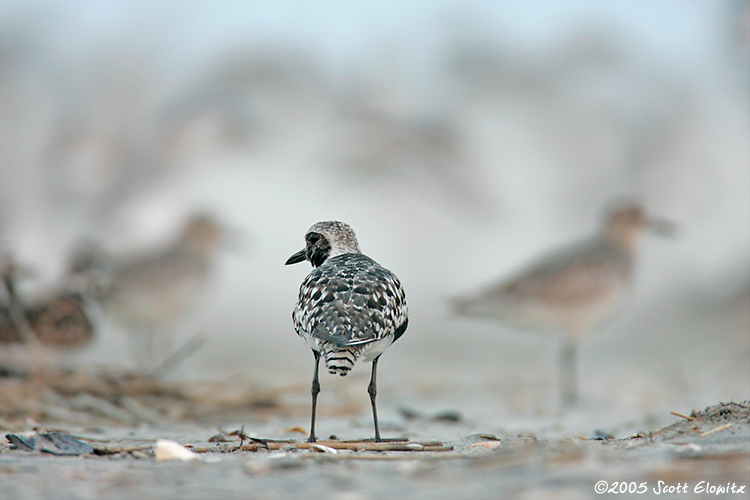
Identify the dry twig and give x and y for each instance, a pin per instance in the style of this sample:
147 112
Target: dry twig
354 446
682 416
716 429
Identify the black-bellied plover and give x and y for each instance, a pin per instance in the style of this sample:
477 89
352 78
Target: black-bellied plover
349 306
571 292
147 292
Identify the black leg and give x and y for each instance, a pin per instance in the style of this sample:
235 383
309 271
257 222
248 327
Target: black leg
372 390
314 391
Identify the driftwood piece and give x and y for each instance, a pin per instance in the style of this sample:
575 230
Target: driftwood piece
363 445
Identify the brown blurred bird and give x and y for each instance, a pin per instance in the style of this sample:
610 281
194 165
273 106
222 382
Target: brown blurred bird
571 292
147 292
58 320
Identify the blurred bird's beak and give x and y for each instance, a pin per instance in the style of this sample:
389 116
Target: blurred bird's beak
236 240
664 228
297 257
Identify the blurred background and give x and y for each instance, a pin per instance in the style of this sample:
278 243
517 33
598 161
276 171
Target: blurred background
461 140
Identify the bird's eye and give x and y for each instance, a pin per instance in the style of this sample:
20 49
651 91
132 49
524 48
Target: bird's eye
313 237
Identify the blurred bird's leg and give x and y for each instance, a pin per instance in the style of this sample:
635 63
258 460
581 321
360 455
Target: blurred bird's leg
181 354
372 390
156 339
163 342
568 373
314 390
143 347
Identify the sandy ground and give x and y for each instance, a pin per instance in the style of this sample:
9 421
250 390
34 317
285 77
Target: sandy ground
122 416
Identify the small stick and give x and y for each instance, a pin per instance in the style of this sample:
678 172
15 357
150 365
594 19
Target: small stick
105 450
682 416
377 457
716 429
180 355
413 447
656 433
199 449
370 446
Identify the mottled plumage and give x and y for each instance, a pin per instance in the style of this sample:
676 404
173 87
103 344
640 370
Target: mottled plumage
349 306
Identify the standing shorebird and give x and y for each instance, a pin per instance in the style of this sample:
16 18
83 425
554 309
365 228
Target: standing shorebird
571 292
349 306
150 291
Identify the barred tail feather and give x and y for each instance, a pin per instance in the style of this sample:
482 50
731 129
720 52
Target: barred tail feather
341 361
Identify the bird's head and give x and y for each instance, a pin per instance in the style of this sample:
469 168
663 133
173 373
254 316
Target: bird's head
325 240
626 223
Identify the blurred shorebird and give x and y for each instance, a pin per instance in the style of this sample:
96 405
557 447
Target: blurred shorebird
348 306
147 292
57 319
572 292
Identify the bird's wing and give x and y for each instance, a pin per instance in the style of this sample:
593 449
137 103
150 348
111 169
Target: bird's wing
583 272
355 305
347 320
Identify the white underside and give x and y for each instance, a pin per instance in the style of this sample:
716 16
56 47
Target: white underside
375 349
371 351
